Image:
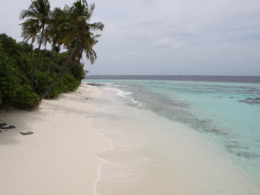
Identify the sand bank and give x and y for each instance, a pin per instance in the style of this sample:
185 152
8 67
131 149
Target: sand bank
59 157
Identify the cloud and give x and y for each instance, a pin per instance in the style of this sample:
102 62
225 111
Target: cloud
149 30
226 45
116 58
132 53
167 43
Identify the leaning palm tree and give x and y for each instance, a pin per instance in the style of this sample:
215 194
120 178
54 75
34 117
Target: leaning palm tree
76 31
86 45
38 12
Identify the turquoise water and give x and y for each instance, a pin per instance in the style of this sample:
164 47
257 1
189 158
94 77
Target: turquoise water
226 113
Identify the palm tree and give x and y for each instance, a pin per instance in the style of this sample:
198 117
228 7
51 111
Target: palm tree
53 32
85 45
38 16
76 35
30 29
75 60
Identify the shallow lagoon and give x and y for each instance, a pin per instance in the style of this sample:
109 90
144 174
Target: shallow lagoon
167 125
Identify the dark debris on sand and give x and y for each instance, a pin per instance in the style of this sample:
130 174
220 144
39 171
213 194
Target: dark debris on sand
3 126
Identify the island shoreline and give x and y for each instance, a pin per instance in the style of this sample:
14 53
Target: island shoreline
60 156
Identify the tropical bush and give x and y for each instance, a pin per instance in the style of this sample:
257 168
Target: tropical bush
14 88
28 75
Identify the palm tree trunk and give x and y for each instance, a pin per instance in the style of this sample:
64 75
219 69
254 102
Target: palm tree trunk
69 68
52 62
72 65
36 60
53 58
60 72
32 48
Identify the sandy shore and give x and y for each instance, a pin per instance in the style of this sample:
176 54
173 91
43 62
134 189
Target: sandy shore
59 157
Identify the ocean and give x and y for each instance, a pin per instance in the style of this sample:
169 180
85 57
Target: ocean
179 135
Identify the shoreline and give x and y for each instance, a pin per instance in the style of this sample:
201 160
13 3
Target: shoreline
144 150
91 143
60 156
96 155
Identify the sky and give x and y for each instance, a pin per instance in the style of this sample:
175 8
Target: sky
166 37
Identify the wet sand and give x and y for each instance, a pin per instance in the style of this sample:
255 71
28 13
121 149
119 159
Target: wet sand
154 155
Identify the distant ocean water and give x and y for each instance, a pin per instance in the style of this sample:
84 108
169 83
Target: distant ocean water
225 110
237 79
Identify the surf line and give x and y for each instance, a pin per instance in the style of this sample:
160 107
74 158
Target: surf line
96 155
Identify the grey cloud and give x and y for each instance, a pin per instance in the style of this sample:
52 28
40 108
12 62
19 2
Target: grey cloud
131 53
167 43
226 45
116 58
185 36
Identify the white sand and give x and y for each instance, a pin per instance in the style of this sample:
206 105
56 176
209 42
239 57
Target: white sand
59 157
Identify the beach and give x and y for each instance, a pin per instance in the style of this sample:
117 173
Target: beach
60 156
154 155
100 140
170 107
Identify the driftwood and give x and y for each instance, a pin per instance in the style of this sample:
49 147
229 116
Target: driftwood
26 132
2 124
9 127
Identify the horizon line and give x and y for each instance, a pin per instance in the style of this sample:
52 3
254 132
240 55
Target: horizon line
171 75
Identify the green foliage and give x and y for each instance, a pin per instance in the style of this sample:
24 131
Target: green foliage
26 99
78 72
14 89
70 82
28 75
15 72
43 80
44 61
65 84
9 83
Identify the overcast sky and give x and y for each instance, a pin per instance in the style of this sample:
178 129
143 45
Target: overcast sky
166 37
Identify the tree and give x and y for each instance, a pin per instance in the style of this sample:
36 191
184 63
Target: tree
76 36
30 29
17 51
38 17
14 89
53 32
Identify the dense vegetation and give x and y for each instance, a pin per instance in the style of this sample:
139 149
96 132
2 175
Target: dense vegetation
27 74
